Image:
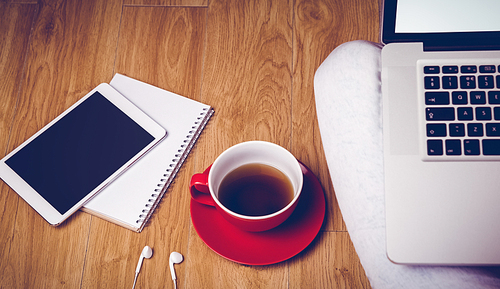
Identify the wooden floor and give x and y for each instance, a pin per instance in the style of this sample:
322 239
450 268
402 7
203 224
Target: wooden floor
253 61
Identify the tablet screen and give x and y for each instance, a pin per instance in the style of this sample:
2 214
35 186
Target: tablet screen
75 155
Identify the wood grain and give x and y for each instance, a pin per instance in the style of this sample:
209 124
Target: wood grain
191 3
320 26
167 52
253 61
15 25
247 73
62 65
164 47
21 1
332 264
247 79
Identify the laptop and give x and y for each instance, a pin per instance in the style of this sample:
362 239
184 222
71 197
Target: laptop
441 124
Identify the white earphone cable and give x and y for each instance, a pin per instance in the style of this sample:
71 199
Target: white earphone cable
135 280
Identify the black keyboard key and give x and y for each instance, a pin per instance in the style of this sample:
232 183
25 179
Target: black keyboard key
477 97
487 69
468 69
494 97
431 82
436 129
498 79
459 97
468 82
491 147
493 129
465 113
450 82
485 81
431 69
475 129
437 98
471 147
440 113
435 147
453 147
457 129
496 111
449 69
483 113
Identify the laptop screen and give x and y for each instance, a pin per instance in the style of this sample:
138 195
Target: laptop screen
443 24
433 16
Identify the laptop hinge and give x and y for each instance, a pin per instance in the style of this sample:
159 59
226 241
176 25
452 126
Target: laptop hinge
461 45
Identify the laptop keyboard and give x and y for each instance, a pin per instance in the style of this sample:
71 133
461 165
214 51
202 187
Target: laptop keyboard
462 110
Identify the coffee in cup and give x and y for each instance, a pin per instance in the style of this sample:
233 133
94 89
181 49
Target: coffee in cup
255 190
254 185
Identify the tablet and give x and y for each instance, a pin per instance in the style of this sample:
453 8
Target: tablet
67 162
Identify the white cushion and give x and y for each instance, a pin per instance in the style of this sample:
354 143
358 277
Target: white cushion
348 104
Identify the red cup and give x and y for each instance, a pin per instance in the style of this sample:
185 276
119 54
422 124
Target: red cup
204 187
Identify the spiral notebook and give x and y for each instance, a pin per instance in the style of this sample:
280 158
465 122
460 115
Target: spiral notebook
130 200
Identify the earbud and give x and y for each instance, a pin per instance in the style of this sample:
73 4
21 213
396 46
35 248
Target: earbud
147 252
175 258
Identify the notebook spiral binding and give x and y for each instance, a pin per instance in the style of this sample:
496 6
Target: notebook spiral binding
175 166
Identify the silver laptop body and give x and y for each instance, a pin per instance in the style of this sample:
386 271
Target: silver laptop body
441 155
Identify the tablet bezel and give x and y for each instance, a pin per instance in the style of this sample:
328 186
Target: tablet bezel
39 203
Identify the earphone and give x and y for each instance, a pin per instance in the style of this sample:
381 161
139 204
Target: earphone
147 252
175 258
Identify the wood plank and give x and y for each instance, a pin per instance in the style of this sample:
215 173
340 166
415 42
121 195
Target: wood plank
66 58
15 26
331 263
206 269
247 73
168 56
319 27
22 1
185 3
247 78
254 61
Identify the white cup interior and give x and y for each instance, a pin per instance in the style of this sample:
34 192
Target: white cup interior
255 152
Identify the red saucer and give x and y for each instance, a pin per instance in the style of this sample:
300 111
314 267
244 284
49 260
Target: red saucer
268 247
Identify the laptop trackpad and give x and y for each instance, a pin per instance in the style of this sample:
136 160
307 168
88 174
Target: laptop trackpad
403 111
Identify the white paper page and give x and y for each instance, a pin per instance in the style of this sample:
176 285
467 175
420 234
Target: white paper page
127 196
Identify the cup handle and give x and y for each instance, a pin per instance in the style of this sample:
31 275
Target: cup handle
199 189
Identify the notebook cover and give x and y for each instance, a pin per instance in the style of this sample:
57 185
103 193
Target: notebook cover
130 200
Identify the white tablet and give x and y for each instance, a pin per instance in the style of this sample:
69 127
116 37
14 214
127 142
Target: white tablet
62 166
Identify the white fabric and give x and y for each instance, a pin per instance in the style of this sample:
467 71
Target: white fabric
348 103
